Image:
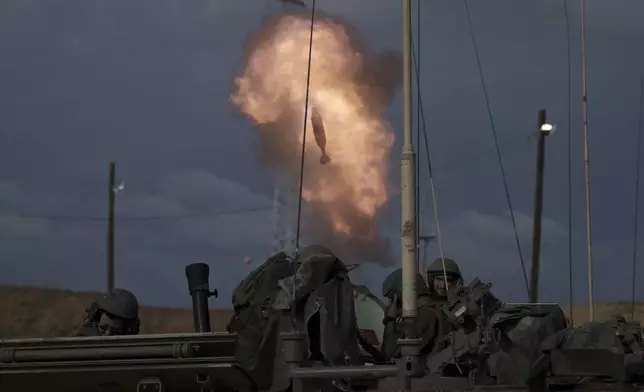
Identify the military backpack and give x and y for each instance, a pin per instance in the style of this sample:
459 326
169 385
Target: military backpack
255 320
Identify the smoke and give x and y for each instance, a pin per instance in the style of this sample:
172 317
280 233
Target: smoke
350 87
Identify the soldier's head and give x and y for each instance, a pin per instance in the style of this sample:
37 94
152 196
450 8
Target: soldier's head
392 286
438 271
116 313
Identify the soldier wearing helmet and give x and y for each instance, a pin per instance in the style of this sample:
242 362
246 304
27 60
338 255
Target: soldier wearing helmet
426 318
115 313
436 279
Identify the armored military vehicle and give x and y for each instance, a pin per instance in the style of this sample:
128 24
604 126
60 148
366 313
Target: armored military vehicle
494 346
174 362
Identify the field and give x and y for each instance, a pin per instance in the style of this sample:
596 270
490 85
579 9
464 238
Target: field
35 312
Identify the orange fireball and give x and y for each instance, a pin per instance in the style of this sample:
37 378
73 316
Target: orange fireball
273 87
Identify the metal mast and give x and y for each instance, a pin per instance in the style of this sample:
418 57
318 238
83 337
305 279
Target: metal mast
410 345
589 237
408 190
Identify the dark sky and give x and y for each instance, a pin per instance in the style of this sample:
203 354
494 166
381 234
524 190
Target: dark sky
146 83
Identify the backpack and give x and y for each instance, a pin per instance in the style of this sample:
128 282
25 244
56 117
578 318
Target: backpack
616 335
524 328
600 350
255 321
527 326
255 288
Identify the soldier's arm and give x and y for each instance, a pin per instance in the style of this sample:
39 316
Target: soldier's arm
389 339
428 329
371 350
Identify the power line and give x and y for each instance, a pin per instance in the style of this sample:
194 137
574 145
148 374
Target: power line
496 142
458 164
81 218
429 167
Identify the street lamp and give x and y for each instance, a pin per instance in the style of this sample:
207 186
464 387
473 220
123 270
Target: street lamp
113 189
548 128
545 129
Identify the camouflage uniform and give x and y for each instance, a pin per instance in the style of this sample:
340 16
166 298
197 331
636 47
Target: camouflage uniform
438 300
115 313
426 319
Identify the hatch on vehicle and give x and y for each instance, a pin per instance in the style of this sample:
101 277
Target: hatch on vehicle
370 311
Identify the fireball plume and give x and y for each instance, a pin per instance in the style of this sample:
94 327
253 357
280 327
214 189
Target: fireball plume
349 90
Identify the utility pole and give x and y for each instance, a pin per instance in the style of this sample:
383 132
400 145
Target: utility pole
111 192
544 130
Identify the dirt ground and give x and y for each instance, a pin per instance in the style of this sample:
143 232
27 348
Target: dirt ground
31 312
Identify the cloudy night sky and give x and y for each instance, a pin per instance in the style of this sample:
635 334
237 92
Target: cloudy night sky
147 83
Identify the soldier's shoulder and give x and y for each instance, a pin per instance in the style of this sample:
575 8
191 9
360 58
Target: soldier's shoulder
428 311
431 304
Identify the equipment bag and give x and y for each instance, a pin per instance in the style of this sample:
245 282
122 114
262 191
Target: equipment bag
254 319
524 329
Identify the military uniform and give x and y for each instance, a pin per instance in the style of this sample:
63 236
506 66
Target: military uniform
427 317
115 313
434 273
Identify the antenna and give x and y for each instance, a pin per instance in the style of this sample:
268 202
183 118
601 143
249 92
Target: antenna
591 302
637 201
299 201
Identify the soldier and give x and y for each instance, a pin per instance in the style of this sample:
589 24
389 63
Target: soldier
436 280
115 313
426 321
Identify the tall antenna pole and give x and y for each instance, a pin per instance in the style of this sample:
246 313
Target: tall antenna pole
409 345
110 226
591 301
408 190
637 199
418 130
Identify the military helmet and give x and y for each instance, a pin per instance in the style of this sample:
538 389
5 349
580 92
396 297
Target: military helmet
451 268
393 284
120 303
